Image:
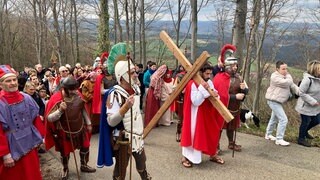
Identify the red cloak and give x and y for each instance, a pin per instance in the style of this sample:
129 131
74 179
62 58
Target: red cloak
208 125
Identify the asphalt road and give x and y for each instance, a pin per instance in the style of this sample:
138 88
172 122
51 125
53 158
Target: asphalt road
259 159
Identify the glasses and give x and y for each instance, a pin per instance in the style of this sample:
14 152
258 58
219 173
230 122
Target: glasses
63 71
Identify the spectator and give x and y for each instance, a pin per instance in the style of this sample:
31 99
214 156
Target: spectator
281 84
308 104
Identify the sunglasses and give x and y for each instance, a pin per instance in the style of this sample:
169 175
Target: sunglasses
65 71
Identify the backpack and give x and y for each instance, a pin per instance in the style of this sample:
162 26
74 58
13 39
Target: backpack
297 96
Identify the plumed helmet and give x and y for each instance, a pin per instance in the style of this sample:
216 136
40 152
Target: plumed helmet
121 70
70 83
227 55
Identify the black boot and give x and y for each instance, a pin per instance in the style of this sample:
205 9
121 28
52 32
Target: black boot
144 175
304 143
65 170
84 158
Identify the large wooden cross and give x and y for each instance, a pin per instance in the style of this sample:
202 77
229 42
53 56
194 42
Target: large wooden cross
192 72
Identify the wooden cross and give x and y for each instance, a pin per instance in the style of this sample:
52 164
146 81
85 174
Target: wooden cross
192 72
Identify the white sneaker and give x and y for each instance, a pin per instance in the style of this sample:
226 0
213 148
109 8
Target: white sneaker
270 137
282 143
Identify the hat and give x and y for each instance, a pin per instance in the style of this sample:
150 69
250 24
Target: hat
6 71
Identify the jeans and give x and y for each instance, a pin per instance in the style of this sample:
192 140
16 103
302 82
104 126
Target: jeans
307 122
277 116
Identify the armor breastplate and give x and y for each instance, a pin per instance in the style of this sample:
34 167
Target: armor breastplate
137 125
18 125
234 88
73 115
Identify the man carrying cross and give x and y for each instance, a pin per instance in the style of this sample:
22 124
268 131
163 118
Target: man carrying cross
201 128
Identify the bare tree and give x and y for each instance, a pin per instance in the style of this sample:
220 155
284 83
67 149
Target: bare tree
194 29
239 29
182 10
104 42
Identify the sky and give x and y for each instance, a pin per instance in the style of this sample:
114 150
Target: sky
206 13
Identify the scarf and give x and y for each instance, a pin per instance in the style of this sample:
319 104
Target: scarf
157 81
11 97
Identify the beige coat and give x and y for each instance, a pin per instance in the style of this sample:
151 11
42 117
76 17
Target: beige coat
281 87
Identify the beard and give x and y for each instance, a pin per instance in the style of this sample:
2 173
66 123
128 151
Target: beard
206 79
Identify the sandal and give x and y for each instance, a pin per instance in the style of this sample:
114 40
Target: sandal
178 137
216 159
186 163
235 147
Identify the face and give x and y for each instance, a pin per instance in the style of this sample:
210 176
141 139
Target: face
283 69
10 84
30 90
34 79
207 74
153 67
64 72
39 68
232 69
42 93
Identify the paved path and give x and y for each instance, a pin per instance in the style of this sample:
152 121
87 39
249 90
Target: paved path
259 159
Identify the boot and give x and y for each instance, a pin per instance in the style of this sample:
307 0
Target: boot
144 175
65 170
84 158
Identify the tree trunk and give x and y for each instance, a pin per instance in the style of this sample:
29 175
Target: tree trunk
76 26
194 29
127 21
239 29
142 33
104 40
254 24
134 19
57 30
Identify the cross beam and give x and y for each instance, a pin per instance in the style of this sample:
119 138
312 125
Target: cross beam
225 113
190 73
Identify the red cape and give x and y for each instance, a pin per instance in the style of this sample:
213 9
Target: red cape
54 100
221 83
96 100
208 125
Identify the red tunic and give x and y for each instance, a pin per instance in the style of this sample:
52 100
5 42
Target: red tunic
152 106
27 167
208 125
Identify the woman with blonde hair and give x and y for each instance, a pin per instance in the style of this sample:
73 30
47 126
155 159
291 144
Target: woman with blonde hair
308 105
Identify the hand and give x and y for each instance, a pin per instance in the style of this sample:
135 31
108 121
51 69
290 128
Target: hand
240 96
205 84
63 106
89 128
242 86
9 162
130 101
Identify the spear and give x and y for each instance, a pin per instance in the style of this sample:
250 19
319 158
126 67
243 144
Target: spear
131 118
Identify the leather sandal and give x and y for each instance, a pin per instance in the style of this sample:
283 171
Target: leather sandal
186 163
235 147
216 159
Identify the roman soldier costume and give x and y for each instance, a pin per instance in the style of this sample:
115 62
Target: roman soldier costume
118 128
69 125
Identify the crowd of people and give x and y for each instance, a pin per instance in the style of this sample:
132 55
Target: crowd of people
62 107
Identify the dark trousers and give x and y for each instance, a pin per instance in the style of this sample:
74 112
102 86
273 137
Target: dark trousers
140 159
307 122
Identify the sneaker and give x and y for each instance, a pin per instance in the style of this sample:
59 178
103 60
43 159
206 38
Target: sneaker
282 143
270 137
304 143
308 136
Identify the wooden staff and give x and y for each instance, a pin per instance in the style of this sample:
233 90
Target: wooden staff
71 141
